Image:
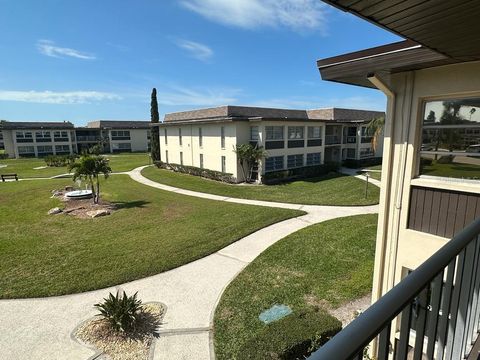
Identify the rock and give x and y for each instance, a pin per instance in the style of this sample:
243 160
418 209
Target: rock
97 213
54 211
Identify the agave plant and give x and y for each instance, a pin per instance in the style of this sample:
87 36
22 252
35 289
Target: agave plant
120 310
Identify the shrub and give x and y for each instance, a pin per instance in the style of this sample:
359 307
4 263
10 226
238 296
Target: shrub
120 311
293 337
192 170
355 164
60 160
298 173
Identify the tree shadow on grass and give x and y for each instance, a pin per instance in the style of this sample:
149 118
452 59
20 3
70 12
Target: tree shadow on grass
131 204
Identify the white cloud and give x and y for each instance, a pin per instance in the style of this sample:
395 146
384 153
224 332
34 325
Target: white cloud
250 14
53 97
48 48
182 96
197 50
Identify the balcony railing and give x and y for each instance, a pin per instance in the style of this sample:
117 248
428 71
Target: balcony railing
437 308
87 138
332 139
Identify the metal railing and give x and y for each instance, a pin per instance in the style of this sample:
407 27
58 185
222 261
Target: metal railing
437 308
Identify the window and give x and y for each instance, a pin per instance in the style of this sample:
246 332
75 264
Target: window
166 138
43 136
351 153
44 150
314 132
181 158
274 132
180 136
26 150
314 158
224 164
200 137
60 136
222 137
120 135
294 161
295 132
254 133
366 152
201 161
62 149
166 156
119 147
451 139
274 163
24 136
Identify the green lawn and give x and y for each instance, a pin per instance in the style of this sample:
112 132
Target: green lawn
374 174
25 168
328 263
334 189
455 170
154 231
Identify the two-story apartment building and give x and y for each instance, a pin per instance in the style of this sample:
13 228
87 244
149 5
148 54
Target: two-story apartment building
206 138
37 139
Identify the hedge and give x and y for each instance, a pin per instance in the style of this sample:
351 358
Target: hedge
355 164
192 170
59 160
298 173
293 337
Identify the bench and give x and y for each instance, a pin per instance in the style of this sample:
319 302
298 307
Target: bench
9 176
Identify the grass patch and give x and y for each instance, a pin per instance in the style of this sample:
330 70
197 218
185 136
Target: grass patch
323 265
333 189
25 168
153 231
374 174
454 170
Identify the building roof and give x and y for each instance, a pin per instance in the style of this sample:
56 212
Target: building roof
230 113
31 125
438 33
119 124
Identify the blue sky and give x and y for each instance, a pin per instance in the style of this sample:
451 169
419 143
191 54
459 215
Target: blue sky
85 60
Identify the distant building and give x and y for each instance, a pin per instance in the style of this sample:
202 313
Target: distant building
37 139
206 138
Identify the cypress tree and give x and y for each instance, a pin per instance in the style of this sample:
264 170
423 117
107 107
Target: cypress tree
155 130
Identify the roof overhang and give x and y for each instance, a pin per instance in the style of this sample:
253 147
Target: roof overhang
449 27
355 68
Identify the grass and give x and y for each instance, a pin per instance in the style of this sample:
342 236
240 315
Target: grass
374 174
153 231
333 189
328 263
454 170
25 168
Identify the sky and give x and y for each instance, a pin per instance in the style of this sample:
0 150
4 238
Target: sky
81 60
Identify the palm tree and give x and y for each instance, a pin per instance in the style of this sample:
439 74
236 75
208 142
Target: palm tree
89 167
248 156
375 128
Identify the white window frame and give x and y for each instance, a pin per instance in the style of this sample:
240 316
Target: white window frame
274 163
296 133
274 133
311 162
296 158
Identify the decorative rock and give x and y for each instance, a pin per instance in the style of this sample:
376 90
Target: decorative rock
54 211
97 213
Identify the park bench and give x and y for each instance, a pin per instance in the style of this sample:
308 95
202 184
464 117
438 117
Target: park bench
9 176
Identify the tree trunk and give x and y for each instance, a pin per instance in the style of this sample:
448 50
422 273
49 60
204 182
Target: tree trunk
98 190
92 187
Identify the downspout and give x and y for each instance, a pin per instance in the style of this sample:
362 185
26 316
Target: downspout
387 169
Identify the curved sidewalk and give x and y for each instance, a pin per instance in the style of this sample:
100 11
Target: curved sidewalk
41 328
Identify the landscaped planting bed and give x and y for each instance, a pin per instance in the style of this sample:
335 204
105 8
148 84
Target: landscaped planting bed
150 232
332 189
311 271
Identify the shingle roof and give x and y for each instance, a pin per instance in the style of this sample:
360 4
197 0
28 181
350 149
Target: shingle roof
238 113
119 124
13 125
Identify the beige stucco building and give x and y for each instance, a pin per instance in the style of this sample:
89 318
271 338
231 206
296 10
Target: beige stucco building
206 138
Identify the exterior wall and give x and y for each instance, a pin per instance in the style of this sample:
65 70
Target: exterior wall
211 148
398 247
138 140
285 151
12 146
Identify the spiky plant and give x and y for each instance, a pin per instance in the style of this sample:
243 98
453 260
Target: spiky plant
120 310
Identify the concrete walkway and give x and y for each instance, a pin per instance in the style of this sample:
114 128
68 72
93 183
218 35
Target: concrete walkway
354 173
41 328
